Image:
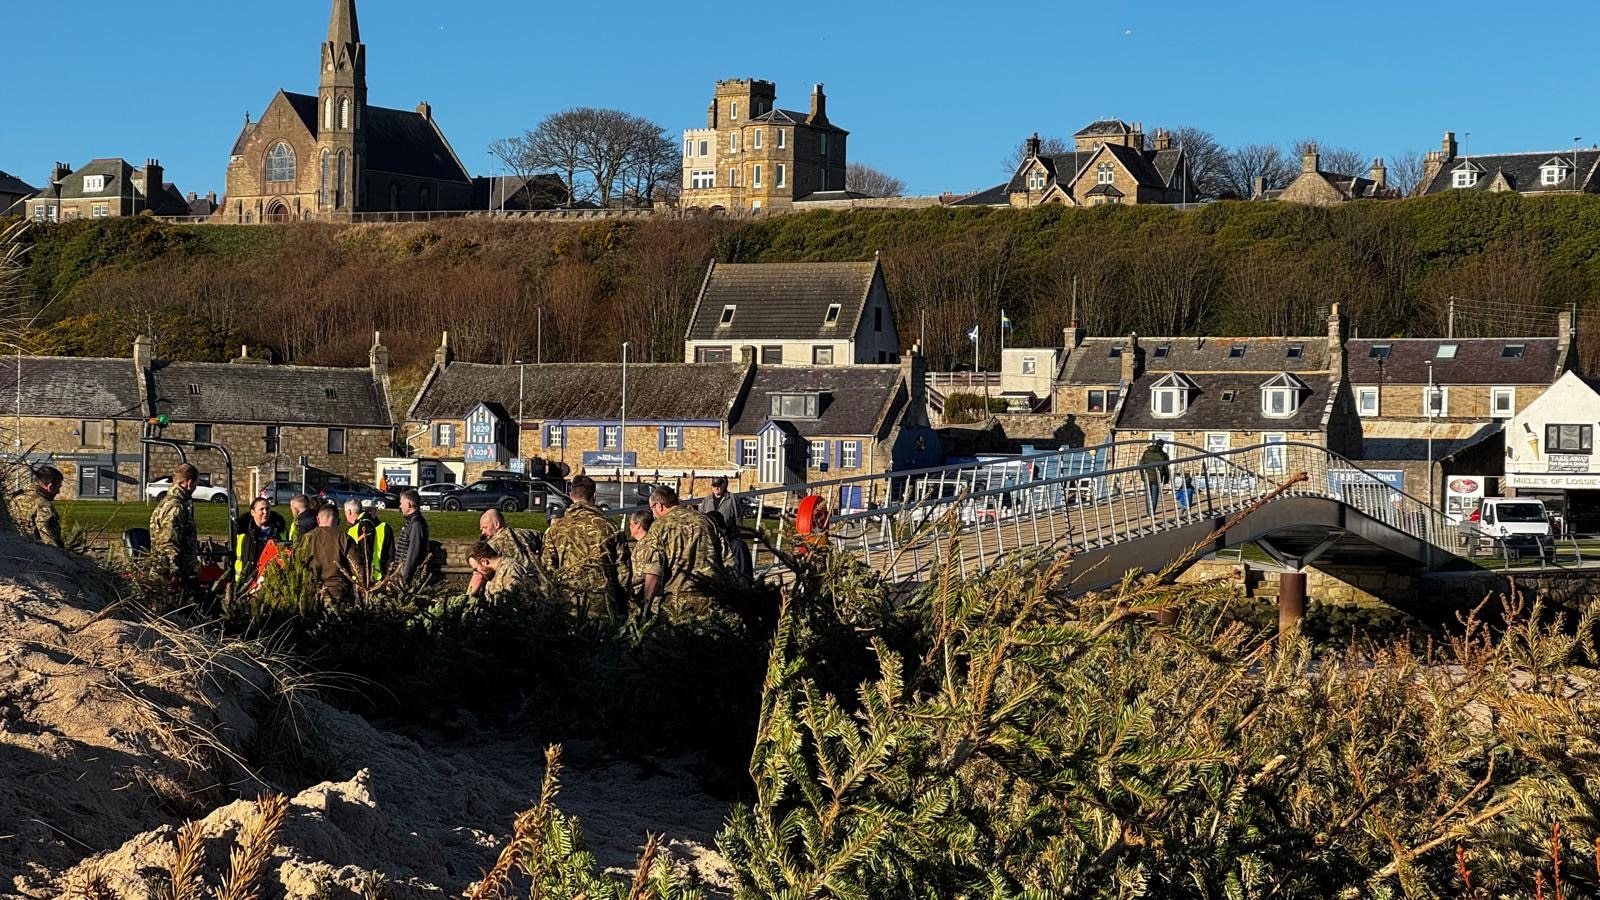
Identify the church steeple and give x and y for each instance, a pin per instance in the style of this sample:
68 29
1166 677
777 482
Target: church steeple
344 57
343 27
342 104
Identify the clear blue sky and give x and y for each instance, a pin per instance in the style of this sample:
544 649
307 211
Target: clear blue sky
936 92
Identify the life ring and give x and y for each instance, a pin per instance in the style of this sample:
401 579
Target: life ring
811 516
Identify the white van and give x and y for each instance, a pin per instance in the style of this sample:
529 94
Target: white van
1521 522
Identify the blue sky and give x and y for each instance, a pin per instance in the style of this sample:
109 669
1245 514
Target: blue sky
936 92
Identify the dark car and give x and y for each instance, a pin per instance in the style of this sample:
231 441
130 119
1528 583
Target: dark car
367 495
504 494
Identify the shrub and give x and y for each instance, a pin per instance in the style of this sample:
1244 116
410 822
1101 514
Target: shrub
965 409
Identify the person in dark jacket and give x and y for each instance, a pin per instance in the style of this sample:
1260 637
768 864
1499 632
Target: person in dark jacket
1156 474
411 545
305 516
255 529
332 557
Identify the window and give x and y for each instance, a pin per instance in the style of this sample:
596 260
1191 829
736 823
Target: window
1502 402
1274 459
280 162
1162 351
1367 401
782 141
327 114
100 211
795 406
1279 402
444 435
1101 401
850 455
747 454
1168 402
330 393
755 205
1463 178
555 437
1106 173
727 316
1294 351
822 356
713 354
772 355
756 142
672 437
270 439
1218 441
610 437
202 434
39 213
336 438
1030 365
733 110
1569 439
688 147
1227 396
1114 353
782 175
756 180
1512 351
1552 174
94 184
1379 351
832 318
1036 180
325 197
1236 351
877 318
705 148
1445 351
338 187
344 114
92 434
733 143
703 178
733 178
822 144
1437 401
817 455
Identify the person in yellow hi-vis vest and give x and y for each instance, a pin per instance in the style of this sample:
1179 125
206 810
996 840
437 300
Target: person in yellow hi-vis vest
371 538
256 529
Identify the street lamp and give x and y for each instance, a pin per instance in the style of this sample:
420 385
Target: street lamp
622 433
1430 409
522 385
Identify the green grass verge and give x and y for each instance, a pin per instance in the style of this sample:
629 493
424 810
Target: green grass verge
109 520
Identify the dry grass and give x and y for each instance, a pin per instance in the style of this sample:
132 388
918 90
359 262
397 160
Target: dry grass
247 864
527 832
188 862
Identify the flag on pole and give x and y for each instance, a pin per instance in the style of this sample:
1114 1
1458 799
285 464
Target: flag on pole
1005 321
973 334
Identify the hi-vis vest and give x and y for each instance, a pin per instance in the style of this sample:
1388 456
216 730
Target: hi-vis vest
380 545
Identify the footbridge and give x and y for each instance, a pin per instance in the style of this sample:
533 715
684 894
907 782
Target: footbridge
1107 510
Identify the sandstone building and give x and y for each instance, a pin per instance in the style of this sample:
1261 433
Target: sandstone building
1570 171
332 155
754 156
1109 164
106 189
1316 187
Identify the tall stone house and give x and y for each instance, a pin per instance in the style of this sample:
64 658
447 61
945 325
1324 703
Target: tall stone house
1110 163
332 156
87 416
106 189
1537 173
754 156
793 314
1316 187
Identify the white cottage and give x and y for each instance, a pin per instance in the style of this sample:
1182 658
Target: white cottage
1550 451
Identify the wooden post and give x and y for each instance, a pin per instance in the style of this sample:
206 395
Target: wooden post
1291 601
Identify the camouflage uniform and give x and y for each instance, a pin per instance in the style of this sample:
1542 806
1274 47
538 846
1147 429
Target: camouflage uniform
35 517
684 550
581 551
172 536
511 577
520 544
643 558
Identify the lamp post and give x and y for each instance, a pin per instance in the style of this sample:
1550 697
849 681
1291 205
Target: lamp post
522 385
1429 410
622 433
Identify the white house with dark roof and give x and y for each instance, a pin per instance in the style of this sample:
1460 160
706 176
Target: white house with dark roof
793 314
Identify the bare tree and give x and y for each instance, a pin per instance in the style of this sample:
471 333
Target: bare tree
1048 146
1405 172
655 167
872 182
1246 164
1208 159
1337 160
616 153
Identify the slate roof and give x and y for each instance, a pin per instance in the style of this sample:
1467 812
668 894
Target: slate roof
859 400
1402 441
1209 411
681 392
1091 362
118 180
11 184
782 301
288 395
1102 127
994 196
1520 171
71 388
202 206
1063 167
795 117
1477 361
399 141
518 192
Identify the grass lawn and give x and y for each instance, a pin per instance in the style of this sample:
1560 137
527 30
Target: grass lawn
110 520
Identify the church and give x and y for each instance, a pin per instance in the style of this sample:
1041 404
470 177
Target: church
331 157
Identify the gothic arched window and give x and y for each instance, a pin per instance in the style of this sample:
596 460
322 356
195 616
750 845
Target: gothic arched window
325 195
344 114
280 162
338 192
327 114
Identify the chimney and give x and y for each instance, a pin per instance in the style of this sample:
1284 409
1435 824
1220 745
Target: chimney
1336 340
444 356
245 359
1033 145
1309 161
153 178
1136 136
143 353
914 371
378 357
1162 140
1072 337
60 172
819 106
711 114
425 110
211 197
1131 369
1258 186
1379 174
1567 339
747 356
1448 146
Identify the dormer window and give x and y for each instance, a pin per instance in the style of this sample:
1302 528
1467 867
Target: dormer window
727 316
1036 180
1464 178
796 406
1114 353
94 184
1280 397
1554 171
1169 397
1295 351
194 390
832 318
1105 173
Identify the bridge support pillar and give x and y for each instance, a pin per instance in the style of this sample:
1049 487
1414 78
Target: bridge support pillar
1291 601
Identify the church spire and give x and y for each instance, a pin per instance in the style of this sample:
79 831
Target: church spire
343 28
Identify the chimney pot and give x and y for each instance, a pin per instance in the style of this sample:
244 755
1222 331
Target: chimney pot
425 110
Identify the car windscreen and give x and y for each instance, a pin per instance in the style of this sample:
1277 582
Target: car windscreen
1519 512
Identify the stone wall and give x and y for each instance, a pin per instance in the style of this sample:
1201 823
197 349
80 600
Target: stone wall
62 442
248 447
1337 585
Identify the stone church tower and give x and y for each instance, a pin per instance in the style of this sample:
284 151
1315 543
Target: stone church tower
342 97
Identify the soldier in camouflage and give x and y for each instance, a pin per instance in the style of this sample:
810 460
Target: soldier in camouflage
504 578
641 557
520 544
173 542
580 550
33 510
683 556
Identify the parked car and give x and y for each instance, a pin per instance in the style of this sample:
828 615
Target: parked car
621 495
203 492
372 498
431 494
279 492
504 494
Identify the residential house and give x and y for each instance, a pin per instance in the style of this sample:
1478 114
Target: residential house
88 417
800 424
202 207
1476 385
818 314
13 191
1550 451
755 156
1315 187
1027 377
568 419
1536 173
106 188
1109 164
